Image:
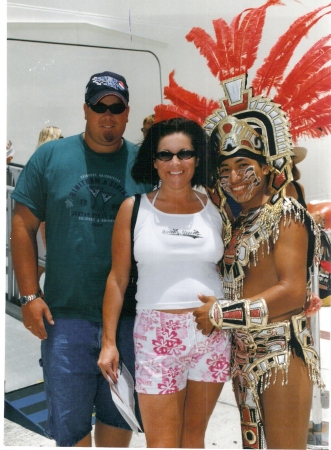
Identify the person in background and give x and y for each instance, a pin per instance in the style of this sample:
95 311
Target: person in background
147 123
49 134
296 189
177 243
76 185
323 208
10 151
46 134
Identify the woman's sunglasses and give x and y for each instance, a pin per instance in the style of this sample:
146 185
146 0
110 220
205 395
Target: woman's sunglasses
101 108
165 155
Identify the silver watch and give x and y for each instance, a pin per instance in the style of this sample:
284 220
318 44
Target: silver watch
28 298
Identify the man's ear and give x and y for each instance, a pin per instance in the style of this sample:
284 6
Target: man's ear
85 110
197 162
265 169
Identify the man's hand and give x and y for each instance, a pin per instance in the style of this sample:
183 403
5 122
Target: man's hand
108 362
33 314
202 314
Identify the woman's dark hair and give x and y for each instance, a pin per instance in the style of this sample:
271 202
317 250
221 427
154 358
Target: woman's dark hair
143 170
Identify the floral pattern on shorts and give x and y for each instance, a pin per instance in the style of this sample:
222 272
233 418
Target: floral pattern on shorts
170 350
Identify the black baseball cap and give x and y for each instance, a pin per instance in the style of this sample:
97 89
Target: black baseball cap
106 83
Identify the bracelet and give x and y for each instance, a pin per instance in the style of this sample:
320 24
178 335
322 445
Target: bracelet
241 313
216 315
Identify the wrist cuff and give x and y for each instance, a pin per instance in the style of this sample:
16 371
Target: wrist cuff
239 314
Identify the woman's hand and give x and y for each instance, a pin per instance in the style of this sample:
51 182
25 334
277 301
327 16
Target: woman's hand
202 314
108 362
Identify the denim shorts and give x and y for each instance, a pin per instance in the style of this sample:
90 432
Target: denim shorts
170 350
74 383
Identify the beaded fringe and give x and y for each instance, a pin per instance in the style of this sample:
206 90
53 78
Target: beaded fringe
268 228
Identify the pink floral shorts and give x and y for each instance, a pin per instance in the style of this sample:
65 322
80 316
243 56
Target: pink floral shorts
170 350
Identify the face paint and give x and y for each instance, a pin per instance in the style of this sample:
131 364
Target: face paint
247 176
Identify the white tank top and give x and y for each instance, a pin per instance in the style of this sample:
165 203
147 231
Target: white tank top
177 256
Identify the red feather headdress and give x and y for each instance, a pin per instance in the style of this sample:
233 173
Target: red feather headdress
304 94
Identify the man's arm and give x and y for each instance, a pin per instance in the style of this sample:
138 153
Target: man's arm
288 295
25 261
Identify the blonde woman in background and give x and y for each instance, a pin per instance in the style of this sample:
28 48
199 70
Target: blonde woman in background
49 134
46 134
147 123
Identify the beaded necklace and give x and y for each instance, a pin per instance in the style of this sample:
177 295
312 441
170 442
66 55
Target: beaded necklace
252 231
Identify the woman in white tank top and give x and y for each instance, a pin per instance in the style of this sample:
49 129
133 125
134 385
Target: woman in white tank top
177 244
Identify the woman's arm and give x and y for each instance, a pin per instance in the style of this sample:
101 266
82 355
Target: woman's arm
116 285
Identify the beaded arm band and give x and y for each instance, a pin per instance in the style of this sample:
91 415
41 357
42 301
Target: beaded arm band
239 314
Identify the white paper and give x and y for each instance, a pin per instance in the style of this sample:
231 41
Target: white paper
123 396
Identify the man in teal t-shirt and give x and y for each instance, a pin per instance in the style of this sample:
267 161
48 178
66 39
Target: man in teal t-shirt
76 186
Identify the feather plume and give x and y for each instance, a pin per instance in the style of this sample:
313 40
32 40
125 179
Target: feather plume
316 86
224 46
237 36
270 74
312 121
166 112
247 32
207 47
235 48
185 103
187 100
315 58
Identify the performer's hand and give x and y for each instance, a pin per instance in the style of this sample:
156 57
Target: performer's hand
202 314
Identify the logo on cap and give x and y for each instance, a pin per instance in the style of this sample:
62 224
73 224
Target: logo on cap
108 81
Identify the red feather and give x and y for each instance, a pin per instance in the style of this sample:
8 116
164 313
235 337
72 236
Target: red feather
312 121
247 35
166 112
271 72
187 100
185 103
315 87
315 58
224 45
235 48
207 47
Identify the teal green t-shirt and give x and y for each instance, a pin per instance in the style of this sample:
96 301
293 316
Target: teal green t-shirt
77 192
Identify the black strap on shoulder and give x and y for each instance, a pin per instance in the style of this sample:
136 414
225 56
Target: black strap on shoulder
134 220
129 304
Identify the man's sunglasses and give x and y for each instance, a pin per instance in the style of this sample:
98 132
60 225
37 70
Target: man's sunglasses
165 155
101 108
